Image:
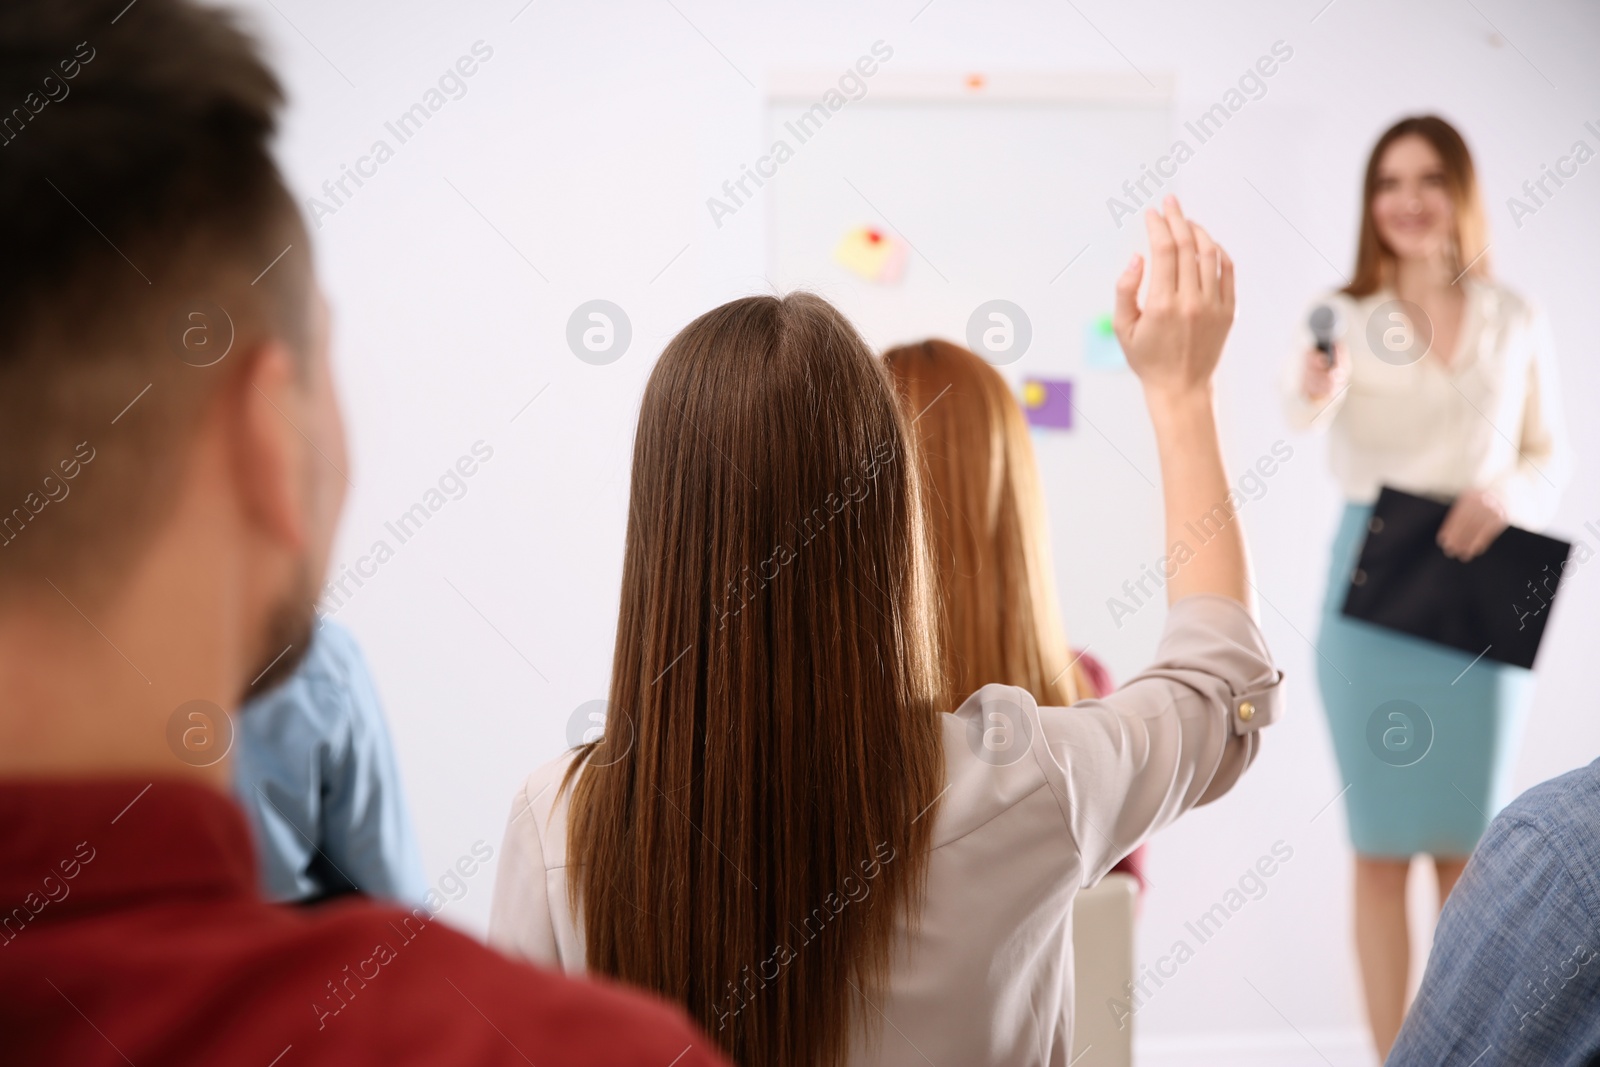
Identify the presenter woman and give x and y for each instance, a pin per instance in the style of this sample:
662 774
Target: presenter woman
1442 384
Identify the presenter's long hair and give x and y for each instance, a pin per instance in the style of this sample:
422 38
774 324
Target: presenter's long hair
999 618
754 827
1374 261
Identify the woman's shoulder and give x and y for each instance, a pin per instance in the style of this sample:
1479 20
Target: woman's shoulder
1500 301
552 769
991 704
540 808
992 758
993 724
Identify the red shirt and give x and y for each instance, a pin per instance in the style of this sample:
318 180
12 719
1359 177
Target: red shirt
131 932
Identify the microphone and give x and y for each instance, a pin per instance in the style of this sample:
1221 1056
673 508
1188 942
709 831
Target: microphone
1325 326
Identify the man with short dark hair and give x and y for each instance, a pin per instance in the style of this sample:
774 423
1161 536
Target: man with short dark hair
172 466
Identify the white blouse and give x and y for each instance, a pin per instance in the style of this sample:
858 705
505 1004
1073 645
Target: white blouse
1491 420
1040 802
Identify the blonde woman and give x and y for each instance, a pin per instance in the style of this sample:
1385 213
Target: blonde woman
998 616
1443 384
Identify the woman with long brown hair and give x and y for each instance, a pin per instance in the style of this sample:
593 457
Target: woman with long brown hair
785 827
1443 384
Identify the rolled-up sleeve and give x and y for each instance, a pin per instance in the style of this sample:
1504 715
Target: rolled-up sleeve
1178 734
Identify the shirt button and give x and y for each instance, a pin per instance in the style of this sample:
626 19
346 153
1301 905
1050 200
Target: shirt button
1247 711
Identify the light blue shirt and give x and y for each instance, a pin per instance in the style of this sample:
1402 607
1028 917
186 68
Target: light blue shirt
316 774
1514 977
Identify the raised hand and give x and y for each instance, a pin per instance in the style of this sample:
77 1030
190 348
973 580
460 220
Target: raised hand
1173 344
1174 341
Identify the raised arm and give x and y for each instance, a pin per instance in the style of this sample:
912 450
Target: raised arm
1173 344
1182 731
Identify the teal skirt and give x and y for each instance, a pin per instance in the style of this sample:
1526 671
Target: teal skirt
1425 736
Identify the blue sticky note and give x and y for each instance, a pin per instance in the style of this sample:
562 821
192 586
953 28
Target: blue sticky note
1100 347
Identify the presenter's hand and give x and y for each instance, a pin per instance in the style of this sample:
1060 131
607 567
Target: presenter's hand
1174 341
1476 518
1318 381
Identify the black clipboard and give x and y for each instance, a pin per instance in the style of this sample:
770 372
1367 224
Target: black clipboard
1495 605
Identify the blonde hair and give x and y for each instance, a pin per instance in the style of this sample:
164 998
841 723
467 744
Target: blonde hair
999 618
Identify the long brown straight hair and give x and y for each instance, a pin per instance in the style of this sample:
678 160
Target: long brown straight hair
1374 261
751 853
1000 620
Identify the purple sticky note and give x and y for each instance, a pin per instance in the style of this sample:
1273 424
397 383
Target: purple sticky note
1048 402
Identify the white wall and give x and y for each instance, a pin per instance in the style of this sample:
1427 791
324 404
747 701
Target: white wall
577 166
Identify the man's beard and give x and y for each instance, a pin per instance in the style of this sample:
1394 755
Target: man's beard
288 638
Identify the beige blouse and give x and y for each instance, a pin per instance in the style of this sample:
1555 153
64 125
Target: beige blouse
1491 420
1040 802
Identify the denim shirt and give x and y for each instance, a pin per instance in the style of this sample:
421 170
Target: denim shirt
316 774
1514 977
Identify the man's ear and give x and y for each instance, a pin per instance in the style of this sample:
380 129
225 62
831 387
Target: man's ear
267 401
